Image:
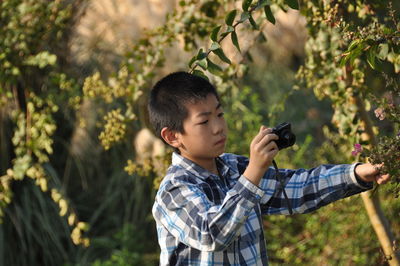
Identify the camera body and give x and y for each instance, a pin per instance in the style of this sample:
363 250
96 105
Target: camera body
285 134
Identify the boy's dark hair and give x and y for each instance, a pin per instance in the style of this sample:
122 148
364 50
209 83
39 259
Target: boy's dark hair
169 96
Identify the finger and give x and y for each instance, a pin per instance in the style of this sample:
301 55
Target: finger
265 130
272 146
268 148
268 130
382 179
273 150
268 139
261 134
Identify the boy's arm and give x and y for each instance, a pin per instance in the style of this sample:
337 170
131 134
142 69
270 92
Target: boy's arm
185 211
310 189
307 190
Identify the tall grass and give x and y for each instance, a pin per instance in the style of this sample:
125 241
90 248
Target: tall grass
33 233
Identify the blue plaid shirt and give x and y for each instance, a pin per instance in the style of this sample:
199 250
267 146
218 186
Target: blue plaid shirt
204 219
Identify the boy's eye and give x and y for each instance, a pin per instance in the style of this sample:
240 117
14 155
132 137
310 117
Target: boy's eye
221 114
203 123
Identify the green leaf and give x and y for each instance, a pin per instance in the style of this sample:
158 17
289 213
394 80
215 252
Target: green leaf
263 3
245 16
230 29
344 60
201 54
220 53
383 49
192 61
293 4
246 4
355 50
215 46
249 57
230 17
253 23
202 63
355 54
261 37
397 64
235 41
200 74
213 68
372 58
214 33
353 44
269 15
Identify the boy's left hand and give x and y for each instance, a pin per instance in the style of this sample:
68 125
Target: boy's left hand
371 173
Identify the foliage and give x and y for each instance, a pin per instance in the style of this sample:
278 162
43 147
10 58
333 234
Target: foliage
36 229
55 175
352 59
128 249
121 223
229 28
324 237
28 87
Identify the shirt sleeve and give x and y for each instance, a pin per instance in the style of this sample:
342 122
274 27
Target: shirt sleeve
186 212
309 190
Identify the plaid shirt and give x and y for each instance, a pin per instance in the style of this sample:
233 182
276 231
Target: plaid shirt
204 219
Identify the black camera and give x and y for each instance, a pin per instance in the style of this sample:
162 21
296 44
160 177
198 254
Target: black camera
286 137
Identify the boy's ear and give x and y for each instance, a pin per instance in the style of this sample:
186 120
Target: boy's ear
170 137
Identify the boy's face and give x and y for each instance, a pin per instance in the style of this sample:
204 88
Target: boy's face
205 131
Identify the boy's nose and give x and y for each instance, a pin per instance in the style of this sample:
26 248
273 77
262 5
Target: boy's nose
218 127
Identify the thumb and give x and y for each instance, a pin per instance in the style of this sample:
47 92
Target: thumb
262 128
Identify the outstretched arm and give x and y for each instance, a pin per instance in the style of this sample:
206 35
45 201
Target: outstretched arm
310 189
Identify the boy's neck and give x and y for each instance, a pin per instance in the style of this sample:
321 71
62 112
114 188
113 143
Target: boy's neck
207 164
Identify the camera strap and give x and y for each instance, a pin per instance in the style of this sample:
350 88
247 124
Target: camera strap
278 178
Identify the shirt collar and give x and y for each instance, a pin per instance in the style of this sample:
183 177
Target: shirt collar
196 169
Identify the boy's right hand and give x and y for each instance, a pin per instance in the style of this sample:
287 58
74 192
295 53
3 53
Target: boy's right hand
263 149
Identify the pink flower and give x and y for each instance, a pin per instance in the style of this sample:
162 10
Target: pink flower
380 113
357 149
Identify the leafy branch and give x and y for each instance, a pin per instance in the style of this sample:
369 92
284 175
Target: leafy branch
202 59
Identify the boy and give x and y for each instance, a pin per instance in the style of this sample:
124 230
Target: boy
209 206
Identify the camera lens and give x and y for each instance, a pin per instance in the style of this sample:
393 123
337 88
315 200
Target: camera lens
290 138
286 137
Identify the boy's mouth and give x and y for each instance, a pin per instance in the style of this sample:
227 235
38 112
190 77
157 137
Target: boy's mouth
221 141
